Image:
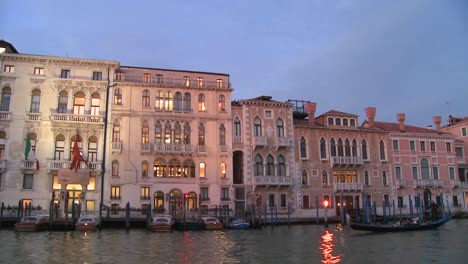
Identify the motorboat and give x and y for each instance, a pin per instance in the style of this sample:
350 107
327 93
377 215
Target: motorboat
33 223
237 223
86 223
411 225
211 223
161 223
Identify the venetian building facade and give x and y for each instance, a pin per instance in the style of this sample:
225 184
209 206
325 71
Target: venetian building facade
339 161
424 164
48 103
170 140
458 126
264 176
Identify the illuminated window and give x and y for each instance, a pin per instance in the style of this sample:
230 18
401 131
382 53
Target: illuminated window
145 132
145 193
201 135
90 205
115 168
116 131
202 170
324 178
115 192
9 68
79 103
146 99
160 168
159 200
55 183
5 100
97 76
200 81
92 149
92 183
35 101
117 96
201 103
144 168
65 74
187 81
222 103
27 181
222 169
177 133
167 133
219 83
39 71
95 105
147 77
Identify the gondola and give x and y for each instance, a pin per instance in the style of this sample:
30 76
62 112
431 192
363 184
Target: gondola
400 227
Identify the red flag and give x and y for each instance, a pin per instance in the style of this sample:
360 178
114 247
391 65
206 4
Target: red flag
77 158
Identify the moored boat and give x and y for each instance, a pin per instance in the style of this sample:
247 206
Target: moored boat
86 223
33 223
237 223
212 223
400 227
189 225
161 223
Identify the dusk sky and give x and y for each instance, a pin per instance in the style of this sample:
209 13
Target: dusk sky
401 56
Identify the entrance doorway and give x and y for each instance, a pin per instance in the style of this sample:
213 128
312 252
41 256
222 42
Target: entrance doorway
427 198
348 203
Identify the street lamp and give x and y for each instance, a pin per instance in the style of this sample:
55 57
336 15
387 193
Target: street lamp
103 169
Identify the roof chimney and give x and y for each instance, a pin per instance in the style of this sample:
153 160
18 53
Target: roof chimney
370 113
437 120
401 120
310 108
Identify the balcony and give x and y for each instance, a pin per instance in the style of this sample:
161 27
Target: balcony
400 183
348 186
172 148
5 116
65 164
273 180
464 184
28 165
71 118
423 183
3 165
171 82
345 162
202 149
117 146
33 116
145 147
455 183
260 141
223 149
282 142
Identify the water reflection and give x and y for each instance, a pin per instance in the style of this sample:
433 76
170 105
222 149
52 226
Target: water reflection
326 246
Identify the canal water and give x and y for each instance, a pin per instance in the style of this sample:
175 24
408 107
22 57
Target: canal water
280 244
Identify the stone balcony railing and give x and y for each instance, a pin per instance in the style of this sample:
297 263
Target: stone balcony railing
282 142
77 118
260 141
172 148
223 149
5 116
401 183
202 149
348 186
273 180
28 164
33 116
64 164
423 183
455 183
346 161
170 82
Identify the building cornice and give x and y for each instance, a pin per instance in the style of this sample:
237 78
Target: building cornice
60 60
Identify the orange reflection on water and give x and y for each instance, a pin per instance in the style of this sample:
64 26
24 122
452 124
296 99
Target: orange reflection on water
326 246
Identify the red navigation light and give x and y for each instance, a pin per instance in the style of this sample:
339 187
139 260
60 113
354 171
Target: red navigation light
185 195
325 203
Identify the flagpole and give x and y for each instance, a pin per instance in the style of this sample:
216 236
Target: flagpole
105 143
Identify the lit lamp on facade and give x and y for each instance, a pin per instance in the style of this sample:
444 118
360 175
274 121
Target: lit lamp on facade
325 204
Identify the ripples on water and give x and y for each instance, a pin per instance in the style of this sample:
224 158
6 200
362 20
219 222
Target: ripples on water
281 244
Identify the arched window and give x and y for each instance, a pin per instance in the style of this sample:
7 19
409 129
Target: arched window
323 149
222 135
384 178
159 168
303 148
347 148
145 132
187 134
279 128
35 101
222 103
178 101
167 133
95 104
117 96
6 98
115 168
92 149
340 147
201 135
257 127
159 100
324 178
281 166
332 147
202 170
145 103
201 103
159 200
158 132
62 102
270 166
237 127
175 168
364 149
177 133
258 165
354 148
366 178
144 168
79 103
116 131
382 150
187 102
188 168
59 147
222 169
424 169
305 178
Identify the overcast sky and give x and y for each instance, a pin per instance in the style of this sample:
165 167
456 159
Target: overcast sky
400 56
